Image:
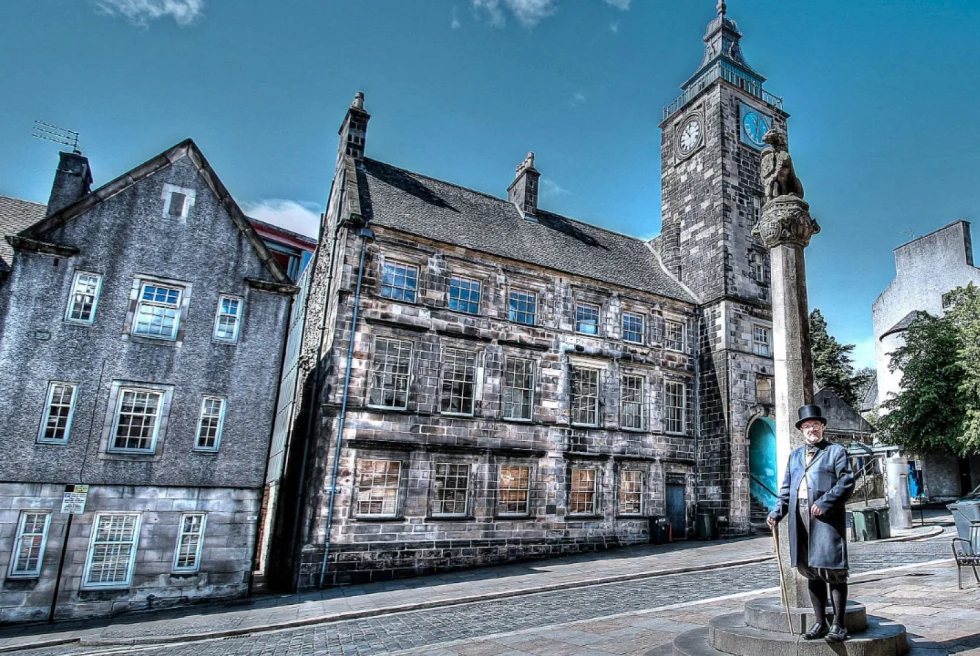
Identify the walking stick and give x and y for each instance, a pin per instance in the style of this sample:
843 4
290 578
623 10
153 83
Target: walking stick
782 584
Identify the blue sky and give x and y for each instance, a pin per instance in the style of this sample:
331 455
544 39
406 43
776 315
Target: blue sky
884 98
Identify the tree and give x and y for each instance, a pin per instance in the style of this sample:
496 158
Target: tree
964 318
832 365
927 416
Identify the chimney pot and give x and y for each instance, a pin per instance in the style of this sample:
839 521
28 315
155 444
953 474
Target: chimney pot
72 180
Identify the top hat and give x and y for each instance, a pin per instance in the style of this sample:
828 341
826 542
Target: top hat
809 412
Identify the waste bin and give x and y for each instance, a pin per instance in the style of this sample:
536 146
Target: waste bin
704 526
659 530
883 523
964 512
865 527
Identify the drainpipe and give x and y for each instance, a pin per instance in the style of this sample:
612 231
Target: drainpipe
364 234
698 315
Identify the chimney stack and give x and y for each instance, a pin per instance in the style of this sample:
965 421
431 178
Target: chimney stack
523 191
72 180
353 131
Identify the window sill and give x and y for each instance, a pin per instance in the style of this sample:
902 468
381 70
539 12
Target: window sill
78 322
512 516
629 341
450 518
457 414
156 341
634 430
676 434
205 452
378 518
52 442
574 425
576 516
23 577
631 516
224 342
516 420
386 408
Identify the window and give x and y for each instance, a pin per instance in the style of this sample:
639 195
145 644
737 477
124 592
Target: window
630 492
157 311
58 414
377 487
112 551
585 396
673 335
587 319
176 204
84 297
633 327
582 499
763 390
760 340
451 485
390 373
523 306
518 388
211 423
137 421
631 414
28 551
464 295
399 281
515 485
947 300
177 201
674 405
228 319
458 374
758 267
187 554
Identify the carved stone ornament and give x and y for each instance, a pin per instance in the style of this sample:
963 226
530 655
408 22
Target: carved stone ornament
786 220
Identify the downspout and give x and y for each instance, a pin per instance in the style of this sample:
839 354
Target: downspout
697 402
364 234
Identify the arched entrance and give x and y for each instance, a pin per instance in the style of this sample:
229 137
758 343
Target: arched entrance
763 485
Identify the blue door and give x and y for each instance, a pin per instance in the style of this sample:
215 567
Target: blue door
677 510
763 485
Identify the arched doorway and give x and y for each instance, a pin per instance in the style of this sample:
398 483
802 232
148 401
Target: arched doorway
763 485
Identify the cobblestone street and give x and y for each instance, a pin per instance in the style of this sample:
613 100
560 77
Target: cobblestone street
629 616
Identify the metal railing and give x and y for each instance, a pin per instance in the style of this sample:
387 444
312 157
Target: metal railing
730 75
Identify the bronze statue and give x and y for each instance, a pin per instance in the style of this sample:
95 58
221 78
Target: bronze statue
778 176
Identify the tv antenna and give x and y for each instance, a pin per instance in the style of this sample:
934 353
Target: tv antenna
910 233
58 135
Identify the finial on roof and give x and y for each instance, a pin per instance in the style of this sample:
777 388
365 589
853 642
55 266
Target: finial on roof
358 102
722 8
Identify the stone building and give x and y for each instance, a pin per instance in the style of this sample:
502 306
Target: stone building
141 335
481 380
926 270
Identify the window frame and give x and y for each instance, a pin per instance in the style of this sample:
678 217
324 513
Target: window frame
528 362
530 300
641 403
623 474
761 348
113 435
384 373
445 399
90 553
683 407
575 369
598 318
181 534
439 501
178 307
391 295
360 489
73 294
643 326
219 430
190 196
669 343
592 507
45 418
218 315
460 304
516 490
15 550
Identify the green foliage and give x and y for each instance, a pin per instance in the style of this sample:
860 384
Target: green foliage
832 365
964 316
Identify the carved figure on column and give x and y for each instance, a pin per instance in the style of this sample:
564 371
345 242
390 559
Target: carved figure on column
778 175
785 216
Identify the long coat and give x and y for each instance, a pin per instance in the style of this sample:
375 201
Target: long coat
829 482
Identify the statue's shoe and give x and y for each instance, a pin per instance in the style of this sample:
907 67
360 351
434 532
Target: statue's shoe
816 631
837 633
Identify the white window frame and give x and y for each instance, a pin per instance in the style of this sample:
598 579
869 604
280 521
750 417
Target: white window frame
515 298
219 314
589 497
670 343
451 473
218 430
624 477
404 290
41 437
181 534
390 363
121 395
761 346
642 402
35 572
463 362
89 556
167 195
73 298
529 366
461 304
598 318
384 488
517 491
643 327
683 407
143 284
575 397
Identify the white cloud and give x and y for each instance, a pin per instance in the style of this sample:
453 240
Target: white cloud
614 27
550 188
298 217
528 12
619 4
141 12
577 99
455 24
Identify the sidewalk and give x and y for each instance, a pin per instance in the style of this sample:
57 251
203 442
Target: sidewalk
275 612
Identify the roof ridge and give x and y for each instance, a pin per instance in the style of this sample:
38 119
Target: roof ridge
504 200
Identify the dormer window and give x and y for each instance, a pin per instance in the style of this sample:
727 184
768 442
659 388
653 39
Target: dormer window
177 202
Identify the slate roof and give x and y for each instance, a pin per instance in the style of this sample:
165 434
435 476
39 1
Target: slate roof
871 396
16 215
441 211
902 325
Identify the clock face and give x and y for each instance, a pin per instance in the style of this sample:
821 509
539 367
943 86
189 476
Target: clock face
690 136
754 127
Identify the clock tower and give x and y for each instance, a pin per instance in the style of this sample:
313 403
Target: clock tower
712 195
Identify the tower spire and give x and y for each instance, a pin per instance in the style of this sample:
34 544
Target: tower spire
722 8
